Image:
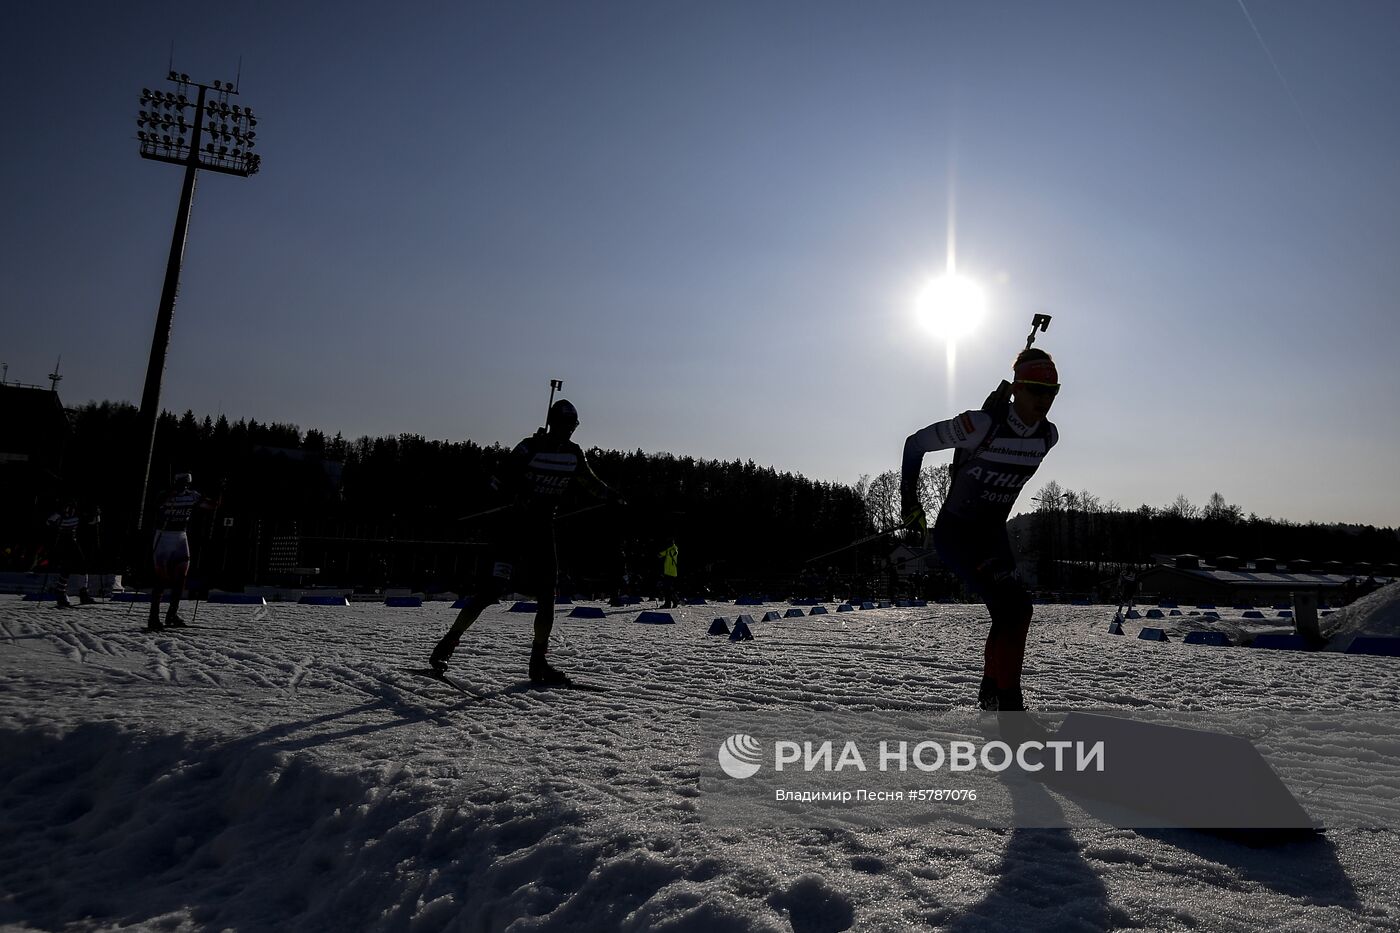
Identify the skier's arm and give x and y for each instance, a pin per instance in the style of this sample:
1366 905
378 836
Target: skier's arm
508 480
591 483
966 430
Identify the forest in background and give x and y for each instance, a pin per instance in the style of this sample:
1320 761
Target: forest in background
389 511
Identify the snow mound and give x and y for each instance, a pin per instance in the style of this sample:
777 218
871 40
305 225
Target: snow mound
1375 613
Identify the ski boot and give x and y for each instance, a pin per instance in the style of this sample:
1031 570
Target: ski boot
545 674
153 624
85 598
62 601
1016 725
987 695
173 620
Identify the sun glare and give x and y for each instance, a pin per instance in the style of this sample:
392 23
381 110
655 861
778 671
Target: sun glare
951 306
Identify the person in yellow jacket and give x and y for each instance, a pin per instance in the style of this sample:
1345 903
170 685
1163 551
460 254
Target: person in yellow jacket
669 574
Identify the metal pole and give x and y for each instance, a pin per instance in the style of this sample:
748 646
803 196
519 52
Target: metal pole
160 341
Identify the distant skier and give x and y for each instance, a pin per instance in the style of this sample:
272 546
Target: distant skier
999 449
170 552
670 574
537 474
66 556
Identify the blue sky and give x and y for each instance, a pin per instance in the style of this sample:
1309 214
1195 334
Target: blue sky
710 220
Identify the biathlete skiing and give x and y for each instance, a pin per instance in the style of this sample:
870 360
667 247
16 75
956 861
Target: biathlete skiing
66 556
170 551
536 475
996 452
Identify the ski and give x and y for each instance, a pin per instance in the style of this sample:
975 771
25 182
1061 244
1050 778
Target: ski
566 685
455 684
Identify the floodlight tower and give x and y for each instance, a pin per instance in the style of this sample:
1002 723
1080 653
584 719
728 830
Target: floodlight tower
228 149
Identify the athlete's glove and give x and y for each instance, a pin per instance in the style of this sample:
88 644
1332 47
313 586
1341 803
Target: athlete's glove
914 519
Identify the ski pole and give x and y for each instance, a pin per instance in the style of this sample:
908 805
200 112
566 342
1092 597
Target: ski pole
499 508
857 543
586 508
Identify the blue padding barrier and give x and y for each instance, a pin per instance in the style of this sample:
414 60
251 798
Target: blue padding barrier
884 604
1281 642
1205 605
563 601
1284 614
745 619
818 611
903 603
131 597
793 613
460 604
1283 605
324 601
1242 606
1115 628
748 601
921 603
1154 613
238 599
629 600
1251 614
47 597
1167 604
1219 639
770 616
1210 615
845 607
1383 646
1133 614
1174 612
694 601
587 612
719 627
1153 634
803 602
404 602
1079 602
741 631
523 606
655 618
867 605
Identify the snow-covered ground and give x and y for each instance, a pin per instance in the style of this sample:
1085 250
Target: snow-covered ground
282 769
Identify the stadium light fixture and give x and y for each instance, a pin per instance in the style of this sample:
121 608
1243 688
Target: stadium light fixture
224 124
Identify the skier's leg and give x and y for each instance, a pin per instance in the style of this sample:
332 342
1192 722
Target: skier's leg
153 622
62 561
545 565
984 563
177 587
1011 610
80 567
488 591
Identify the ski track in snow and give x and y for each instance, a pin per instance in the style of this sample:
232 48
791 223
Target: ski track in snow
284 770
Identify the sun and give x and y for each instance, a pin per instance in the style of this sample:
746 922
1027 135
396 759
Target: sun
951 306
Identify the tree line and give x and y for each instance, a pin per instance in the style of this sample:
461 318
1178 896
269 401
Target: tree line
1077 537
399 510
